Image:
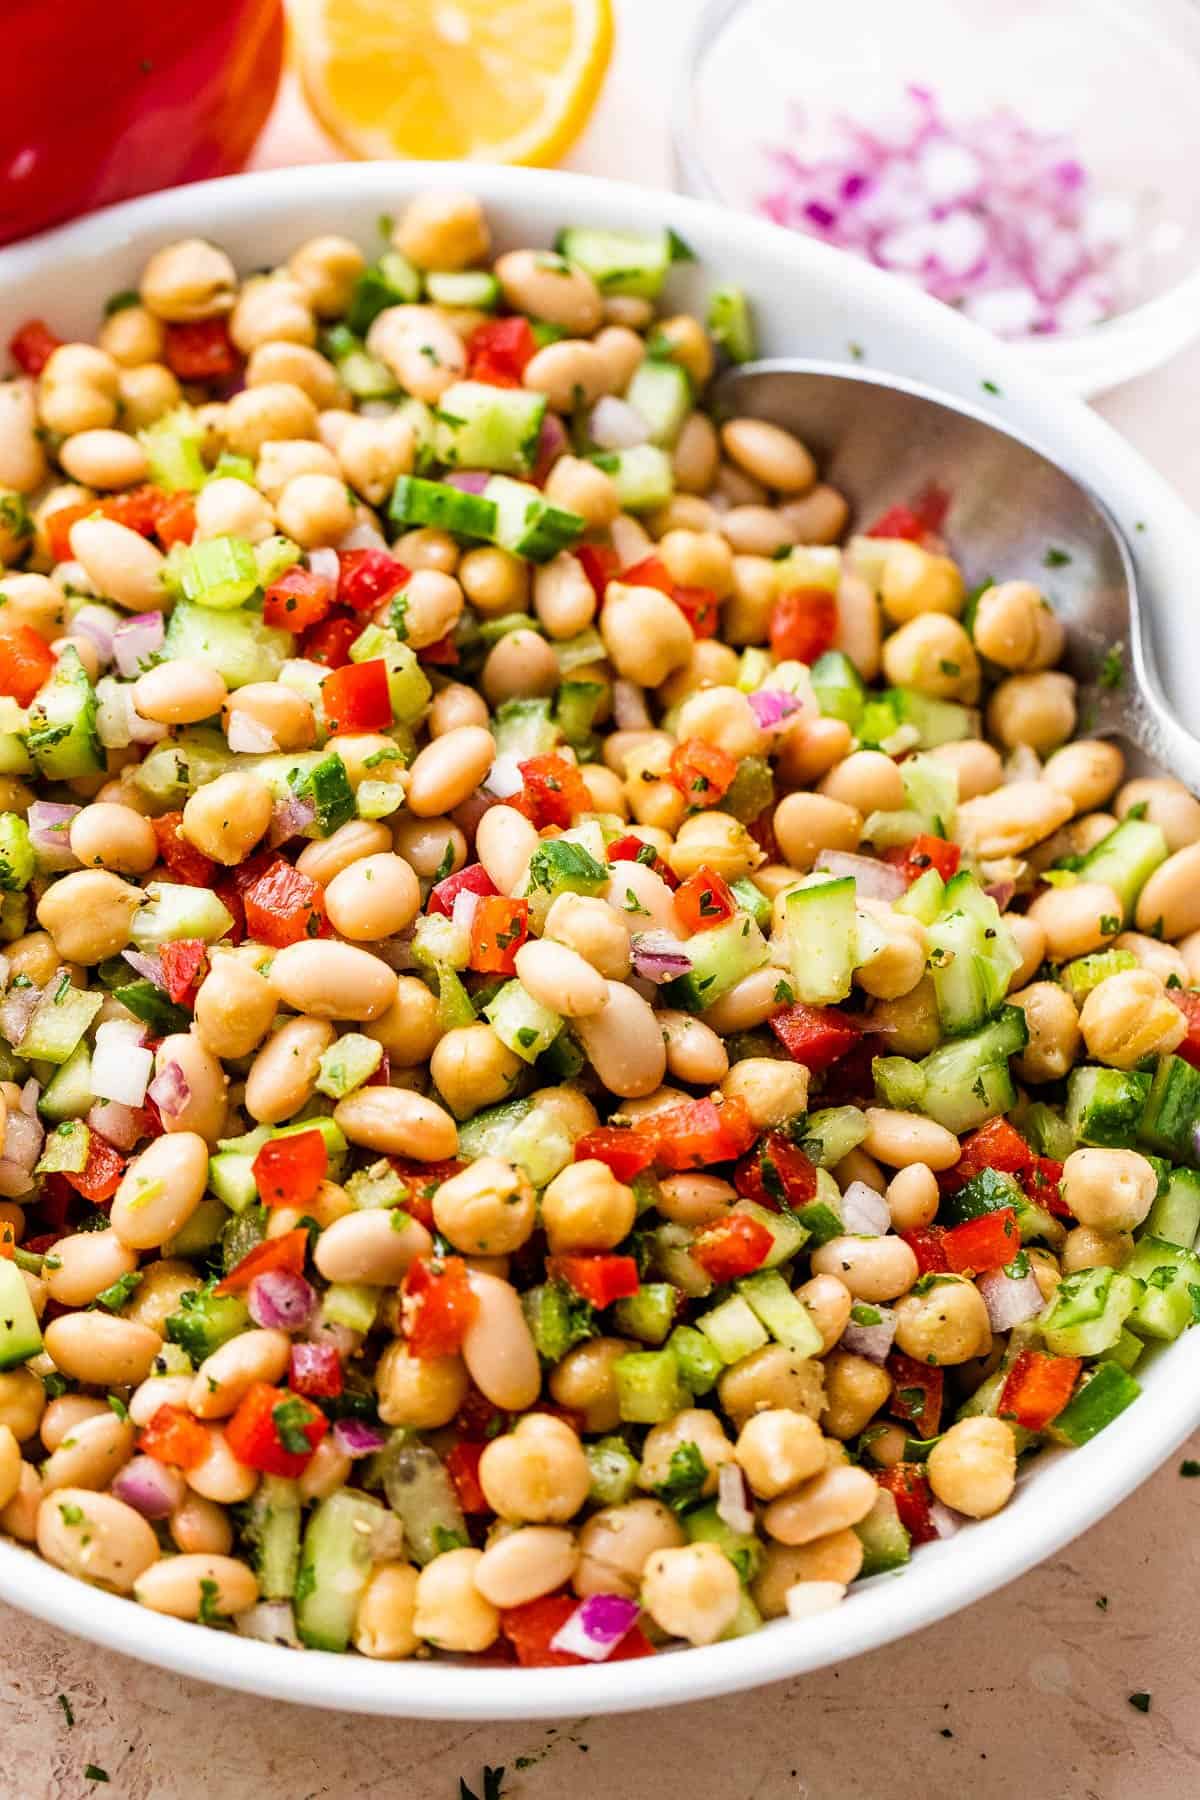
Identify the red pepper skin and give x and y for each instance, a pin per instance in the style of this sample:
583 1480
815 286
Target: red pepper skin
1037 1387
917 1393
26 661
925 1242
600 1279
184 966
329 642
474 879
816 1036
925 852
356 697
1189 1005
201 350
626 1153
499 349
650 571
600 564
804 624
32 345
996 1145
253 1433
498 929
732 1247
315 1370
175 521
984 1243
422 1181
285 1252
368 577
1043 1185
183 861
289 1170
699 607
783 1165
100 1176
283 906
922 519
908 1485
702 772
554 793
462 1466
700 1132
175 1438
704 900
635 849
438 1307
297 599
531 1628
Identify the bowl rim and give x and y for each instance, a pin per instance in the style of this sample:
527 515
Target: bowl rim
1057 1500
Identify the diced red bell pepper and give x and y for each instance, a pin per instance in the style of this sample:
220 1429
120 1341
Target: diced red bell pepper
329 641
284 907
787 1173
996 1145
289 1170
925 852
438 1306
499 927
925 1242
443 654
704 900
817 1036
531 1629
635 849
1189 1005
184 966
748 1180
555 793
600 1279
183 862
269 1428
25 662
732 1247
1037 1387
1043 1185
101 1174
356 697
368 577
625 1152
316 1370
422 1181
908 1485
462 1466
474 879
926 515
287 1252
32 345
297 599
699 607
700 1132
600 562
137 508
174 1437
804 624
987 1242
201 350
702 772
917 1393
649 571
175 521
499 349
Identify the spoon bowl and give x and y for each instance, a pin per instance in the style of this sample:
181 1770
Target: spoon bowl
1012 512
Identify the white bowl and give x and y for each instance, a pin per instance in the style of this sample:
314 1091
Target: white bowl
808 300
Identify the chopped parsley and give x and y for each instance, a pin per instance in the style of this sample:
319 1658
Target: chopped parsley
1056 558
208 1614
687 1473
68 1713
113 1298
71 1515
444 1540
783 993
1102 1603
1189 1468
118 1406
867 1315
94 1773
990 387
1111 673
289 1419
1109 924
634 905
492 1788
1140 1702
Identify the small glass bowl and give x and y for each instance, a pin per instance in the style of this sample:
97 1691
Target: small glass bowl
1120 78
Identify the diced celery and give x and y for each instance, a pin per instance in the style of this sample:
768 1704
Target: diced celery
65 1151
173 910
838 687
787 1319
1087 972
17 863
614 1471
219 572
272 556
650 1388
649 1314
354 1306
698 1362
58 1021
172 446
331 1133
731 325
733 1329
522 1022
348 1062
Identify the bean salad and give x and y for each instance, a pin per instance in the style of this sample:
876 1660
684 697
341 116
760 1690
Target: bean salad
587 1058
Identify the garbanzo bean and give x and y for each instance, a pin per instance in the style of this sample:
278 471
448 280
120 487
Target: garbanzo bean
1111 1190
771 1091
774 1376
234 1008
108 836
778 1449
868 781
806 824
472 1068
384 1623
585 1208
948 1324
832 1500
692 1592
1053 1031
1169 903
1128 1017
488 1209
933 653
22 1402
1016 627
450 1611
645 634
226 818
913 581
1035 710
973 1468
89 915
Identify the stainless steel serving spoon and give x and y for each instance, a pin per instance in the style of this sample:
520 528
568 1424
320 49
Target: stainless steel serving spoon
1013 513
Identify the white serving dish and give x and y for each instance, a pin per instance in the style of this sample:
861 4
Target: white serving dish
808 301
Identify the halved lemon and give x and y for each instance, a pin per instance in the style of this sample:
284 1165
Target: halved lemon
487 80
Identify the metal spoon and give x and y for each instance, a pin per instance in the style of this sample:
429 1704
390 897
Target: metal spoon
1013 513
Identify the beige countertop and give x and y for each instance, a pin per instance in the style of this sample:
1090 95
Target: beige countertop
1026 1693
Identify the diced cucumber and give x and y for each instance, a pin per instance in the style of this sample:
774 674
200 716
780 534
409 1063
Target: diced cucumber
477 289
273 1527
788 1234
1127 1351
805 566
540 1144
487 1134
698 1362
1047 1131
522 1022
365 376
377 1187
731 325
972 955
17 862
523 728
237 644
1106 1391
201 1232
649 1314
335 1566
526 523
480 426
173 910
181 765
733 1329
661 394
392 281
1175 1214
1172 1110
720 958
650 1387
220 572
1087 972
351 1304
931 789
614 1470
327 785
329 1131
20 1334
898 1082
1126 859
838 687
58 1021
787 1319
989 1191
557 1319
1105 1105
576 705
886 1544
417 501
206 1320
172 446
61 733
924 899
1169 1300
620 262
935 721
68 1094
821 939
642 476
831 1133
421 1494
752 900
670 1256
968 1081
563 866
1087 1312
150 1004
704 1525
273 555
349 1061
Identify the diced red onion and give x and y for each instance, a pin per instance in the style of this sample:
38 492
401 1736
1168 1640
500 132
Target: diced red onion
97 624
149 1487
466 905
31 1093
615 425
659 957
504 778
16 1010
121 1065
629 706
552 441
864 1212
323 562
363 536
873 880
147 964
135 640
872 1341
270 1622
290 818
469 812
1001 892
170 1091
249 737
354 1437
944 1519
281 1301
321 1330
772 707
49 828
144 731
23 1138
116 1122
1010 1299
596 1627
733 1508
467 481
